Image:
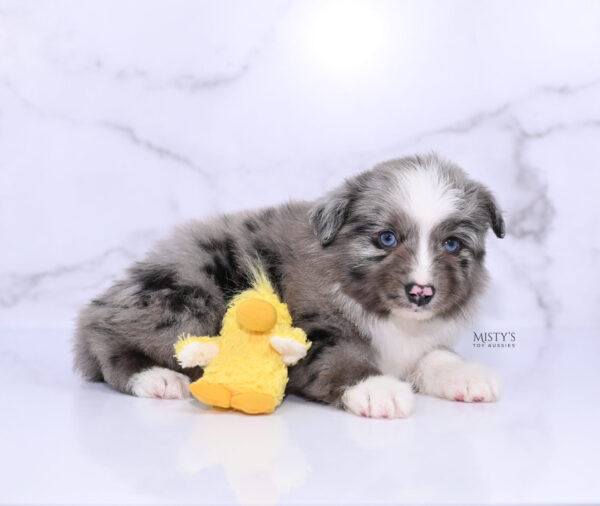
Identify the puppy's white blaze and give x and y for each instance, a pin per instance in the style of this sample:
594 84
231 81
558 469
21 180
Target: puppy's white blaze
427 198
422 272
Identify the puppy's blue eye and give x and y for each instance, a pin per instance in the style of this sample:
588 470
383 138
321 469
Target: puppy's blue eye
451 245
388 239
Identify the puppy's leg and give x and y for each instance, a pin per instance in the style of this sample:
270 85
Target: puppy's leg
346 376
116 359
442 373
126 336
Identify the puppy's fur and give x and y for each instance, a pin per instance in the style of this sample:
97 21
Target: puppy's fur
372 345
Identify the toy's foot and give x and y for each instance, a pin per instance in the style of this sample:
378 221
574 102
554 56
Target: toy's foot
254 403
211 394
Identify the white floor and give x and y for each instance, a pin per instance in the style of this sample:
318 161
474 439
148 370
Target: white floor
67 442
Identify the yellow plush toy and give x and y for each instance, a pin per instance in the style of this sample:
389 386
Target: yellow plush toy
245 367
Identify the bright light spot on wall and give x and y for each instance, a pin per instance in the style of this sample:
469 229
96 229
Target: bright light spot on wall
346 36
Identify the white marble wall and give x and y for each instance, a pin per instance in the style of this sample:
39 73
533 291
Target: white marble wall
120 119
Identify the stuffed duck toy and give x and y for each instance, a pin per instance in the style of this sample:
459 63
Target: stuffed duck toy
245 367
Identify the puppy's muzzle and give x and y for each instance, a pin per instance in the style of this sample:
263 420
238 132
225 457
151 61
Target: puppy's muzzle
420 295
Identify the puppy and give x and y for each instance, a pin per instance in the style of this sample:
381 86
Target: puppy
383 274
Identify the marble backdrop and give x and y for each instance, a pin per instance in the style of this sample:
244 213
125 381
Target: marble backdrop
121 119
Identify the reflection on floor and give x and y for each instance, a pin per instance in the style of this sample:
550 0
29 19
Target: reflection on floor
66 441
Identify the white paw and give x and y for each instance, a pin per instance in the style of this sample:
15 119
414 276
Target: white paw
161 383
462 381
291 351
196 353
380 397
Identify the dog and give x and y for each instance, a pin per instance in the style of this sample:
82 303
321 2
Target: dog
383 274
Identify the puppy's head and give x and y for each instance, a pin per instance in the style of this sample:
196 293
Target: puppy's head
408 237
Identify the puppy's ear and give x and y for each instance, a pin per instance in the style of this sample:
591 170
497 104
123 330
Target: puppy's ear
489 206
328 214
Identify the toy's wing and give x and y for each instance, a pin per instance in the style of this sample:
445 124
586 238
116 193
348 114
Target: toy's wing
291 344
192 351
294 333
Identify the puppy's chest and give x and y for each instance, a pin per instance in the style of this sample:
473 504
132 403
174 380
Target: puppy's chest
398 348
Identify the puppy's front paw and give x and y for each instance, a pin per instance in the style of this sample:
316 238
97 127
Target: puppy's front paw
160 383
380 397
462 381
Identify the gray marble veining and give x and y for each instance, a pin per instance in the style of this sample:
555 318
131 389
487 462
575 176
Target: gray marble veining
110 137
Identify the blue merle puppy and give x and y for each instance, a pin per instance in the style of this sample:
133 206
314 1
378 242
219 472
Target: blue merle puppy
383 273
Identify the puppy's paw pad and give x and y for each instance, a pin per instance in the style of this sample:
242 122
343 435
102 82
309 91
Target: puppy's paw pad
380 397
160 383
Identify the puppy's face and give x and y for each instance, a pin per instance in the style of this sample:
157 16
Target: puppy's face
408 237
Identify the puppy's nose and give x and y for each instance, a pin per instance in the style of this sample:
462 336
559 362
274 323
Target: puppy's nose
420 295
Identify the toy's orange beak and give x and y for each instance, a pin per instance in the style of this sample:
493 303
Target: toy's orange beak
256 315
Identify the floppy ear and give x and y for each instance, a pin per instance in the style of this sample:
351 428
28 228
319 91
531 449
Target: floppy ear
327 215
490 206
